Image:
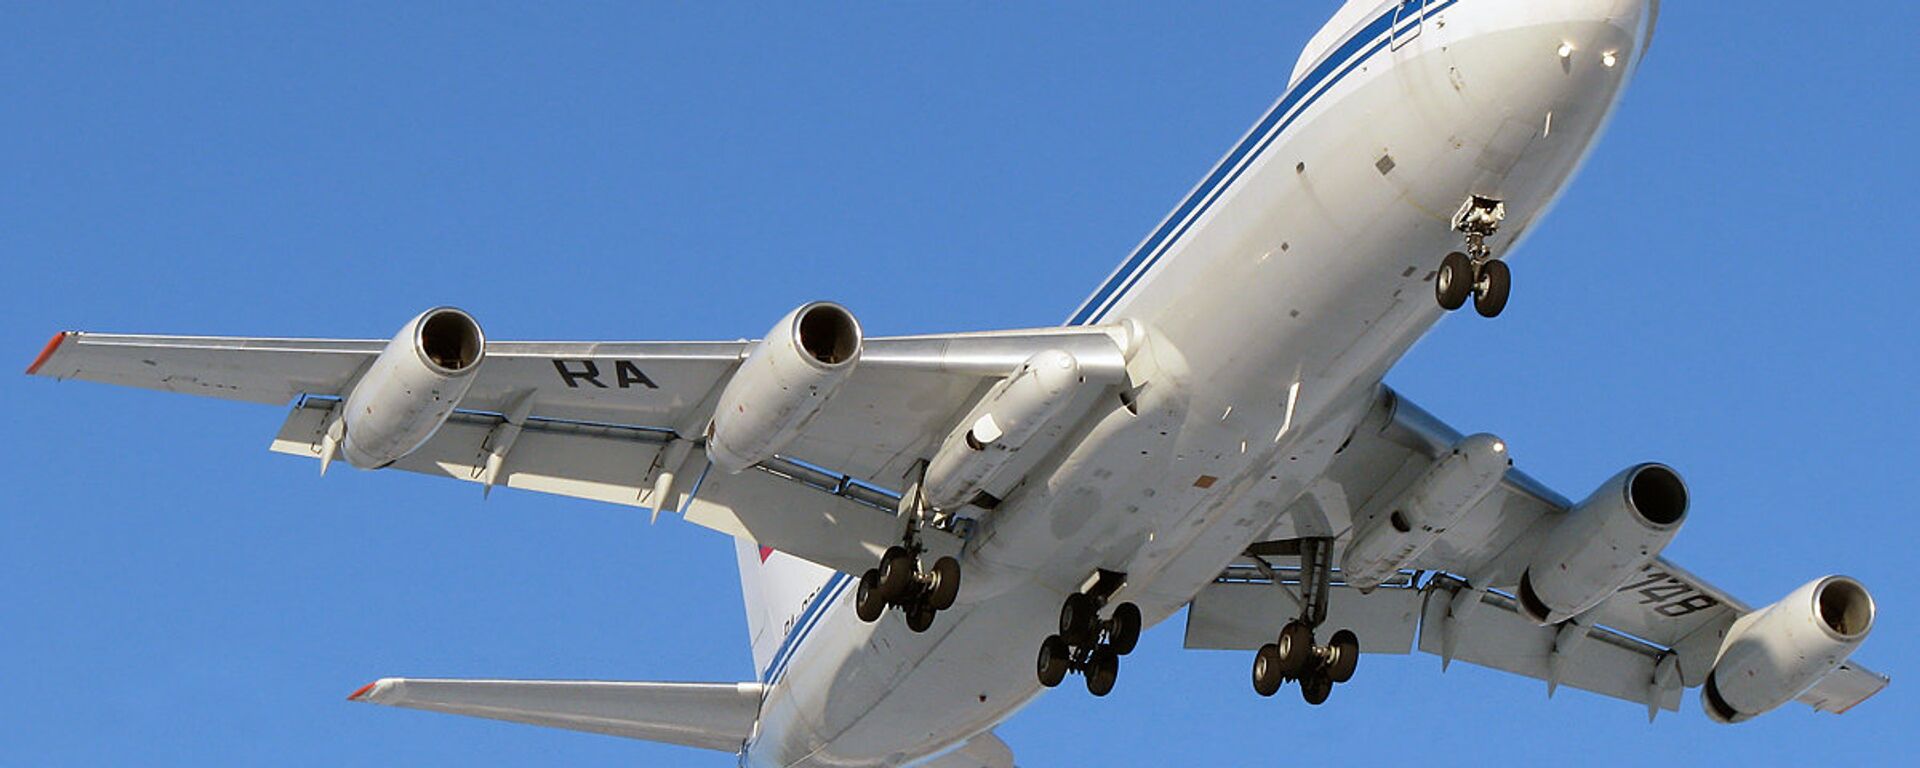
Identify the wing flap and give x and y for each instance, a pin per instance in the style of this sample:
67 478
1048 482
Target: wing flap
804 511
1487 629
586 461
1243 616
717 716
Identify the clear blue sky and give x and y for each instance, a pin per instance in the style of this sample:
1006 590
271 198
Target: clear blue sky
1727 288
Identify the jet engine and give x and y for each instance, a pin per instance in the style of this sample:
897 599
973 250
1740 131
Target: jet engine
783 384
412 387
993 433
1773 654
1603 542
1456 483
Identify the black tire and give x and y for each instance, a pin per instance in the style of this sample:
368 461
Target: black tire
896 574
867 602
1102 671
920 617
1124 633
1346 656
1079 619
1295 649
1266 670
946 584
1491 289
1454 282
1053 661
1315 689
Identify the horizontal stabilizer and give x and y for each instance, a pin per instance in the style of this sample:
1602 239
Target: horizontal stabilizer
717 716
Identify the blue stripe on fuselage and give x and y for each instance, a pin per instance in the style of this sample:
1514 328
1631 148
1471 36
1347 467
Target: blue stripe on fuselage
809 617
1330 72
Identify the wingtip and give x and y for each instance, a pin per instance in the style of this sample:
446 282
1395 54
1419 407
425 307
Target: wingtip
381 691
47 351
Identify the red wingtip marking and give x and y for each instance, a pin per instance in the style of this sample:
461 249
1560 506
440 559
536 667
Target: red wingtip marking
47 352
765 552
357 695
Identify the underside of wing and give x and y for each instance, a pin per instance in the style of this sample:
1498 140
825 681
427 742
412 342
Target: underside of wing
1512 575
813 456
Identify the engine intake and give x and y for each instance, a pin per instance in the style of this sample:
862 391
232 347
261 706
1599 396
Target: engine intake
783 384
1603 542
412 387
1773 654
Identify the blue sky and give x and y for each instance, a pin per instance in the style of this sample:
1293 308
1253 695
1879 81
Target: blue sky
1726 288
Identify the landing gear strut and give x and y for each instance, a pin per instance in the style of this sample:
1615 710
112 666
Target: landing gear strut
903 579
1087 643
1294 656
1475 273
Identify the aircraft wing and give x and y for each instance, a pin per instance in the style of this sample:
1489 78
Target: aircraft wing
623 422
1663 630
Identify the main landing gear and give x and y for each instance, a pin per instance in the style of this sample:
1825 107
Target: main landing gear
901 582
1475 273
1087 643
1294 655
904 580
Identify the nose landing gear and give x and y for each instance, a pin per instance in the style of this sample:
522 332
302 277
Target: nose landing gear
1294 655
1087 643
1475 273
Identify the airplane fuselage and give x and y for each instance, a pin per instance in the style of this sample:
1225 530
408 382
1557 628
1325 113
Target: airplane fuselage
1288 283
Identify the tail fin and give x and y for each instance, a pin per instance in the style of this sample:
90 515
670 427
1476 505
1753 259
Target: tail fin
777 588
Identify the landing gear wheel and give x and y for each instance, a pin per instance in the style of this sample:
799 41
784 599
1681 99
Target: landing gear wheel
920 617
1346 656
1454 283
1266 670
896 573
1124 633
1295 649
1102 670
1080 619
1053 661
946 584
868 604
1490 290
1316 688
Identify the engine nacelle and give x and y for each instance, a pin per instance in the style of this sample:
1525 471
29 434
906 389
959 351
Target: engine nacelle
1010 415
783 384
412 387
1456 483
1602 542
1773 654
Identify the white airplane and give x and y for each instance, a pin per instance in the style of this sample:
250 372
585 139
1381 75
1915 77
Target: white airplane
1208 431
